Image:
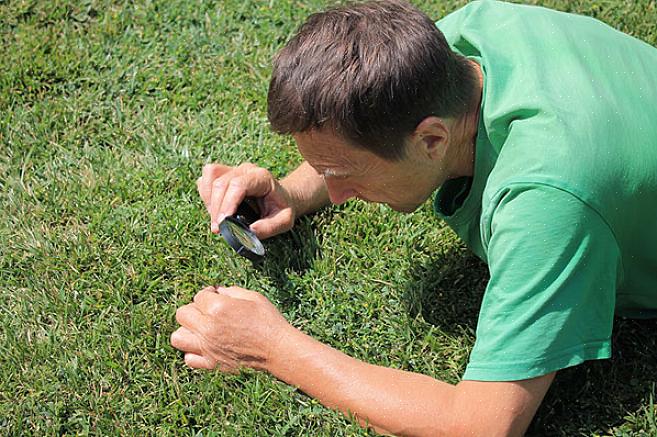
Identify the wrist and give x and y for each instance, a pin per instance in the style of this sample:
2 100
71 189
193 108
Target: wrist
282 355
306 190
292 199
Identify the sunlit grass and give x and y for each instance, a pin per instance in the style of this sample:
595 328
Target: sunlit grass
108 110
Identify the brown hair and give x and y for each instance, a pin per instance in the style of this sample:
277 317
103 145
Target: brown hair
370 71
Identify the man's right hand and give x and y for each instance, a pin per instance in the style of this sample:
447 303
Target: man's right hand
223 188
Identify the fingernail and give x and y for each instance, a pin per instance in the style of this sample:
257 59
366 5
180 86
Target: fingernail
214 227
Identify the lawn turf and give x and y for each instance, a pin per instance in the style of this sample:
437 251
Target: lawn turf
108 110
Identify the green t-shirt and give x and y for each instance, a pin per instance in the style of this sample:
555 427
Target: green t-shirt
563 202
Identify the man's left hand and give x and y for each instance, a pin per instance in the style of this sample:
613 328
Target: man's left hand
229 328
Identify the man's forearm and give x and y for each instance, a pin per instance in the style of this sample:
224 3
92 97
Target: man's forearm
390 400
307 189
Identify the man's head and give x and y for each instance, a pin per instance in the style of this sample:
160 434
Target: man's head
370 72
377 102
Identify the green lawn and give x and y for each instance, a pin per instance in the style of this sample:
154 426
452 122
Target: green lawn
108 110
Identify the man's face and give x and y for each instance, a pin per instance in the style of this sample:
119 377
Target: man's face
350 172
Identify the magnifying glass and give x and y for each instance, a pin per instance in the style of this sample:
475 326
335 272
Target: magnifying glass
237 233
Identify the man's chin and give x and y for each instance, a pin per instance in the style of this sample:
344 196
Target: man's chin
406 209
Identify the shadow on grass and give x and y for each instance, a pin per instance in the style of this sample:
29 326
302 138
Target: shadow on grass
293 251
597 395
584 400
447 290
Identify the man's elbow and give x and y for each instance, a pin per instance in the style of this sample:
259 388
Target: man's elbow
500 426
467 422
478 420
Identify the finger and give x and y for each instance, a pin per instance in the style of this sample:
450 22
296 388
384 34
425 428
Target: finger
255 182
214 171
209 173
274 224
234 194
204 191
192 318
183 339
218 208
238 293
219 187
209 288
199 361
208 301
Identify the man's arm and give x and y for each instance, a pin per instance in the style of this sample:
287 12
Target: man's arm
306 189
404 403
227 328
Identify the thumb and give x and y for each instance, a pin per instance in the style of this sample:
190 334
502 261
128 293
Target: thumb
277 223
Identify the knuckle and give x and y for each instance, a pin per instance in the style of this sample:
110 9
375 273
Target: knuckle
259 298
261 173
235 183
217 183
197 296
210 169
215 308
207 330
180 313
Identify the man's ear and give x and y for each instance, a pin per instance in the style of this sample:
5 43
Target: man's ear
431 137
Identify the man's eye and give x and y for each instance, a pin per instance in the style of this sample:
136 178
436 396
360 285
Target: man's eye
335 176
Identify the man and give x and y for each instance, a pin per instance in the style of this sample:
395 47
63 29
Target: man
538 130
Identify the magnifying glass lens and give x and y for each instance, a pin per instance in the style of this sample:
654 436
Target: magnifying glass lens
238 235
242 236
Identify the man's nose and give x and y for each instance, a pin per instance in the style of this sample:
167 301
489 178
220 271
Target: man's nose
337 192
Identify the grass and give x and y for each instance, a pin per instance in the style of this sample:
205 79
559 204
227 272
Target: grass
108 110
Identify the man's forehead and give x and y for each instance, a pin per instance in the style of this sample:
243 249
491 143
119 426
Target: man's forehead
319 139
328 149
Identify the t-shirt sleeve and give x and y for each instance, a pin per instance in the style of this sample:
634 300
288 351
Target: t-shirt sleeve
550 300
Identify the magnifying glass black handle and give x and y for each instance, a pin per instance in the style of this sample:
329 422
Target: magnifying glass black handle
248 211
